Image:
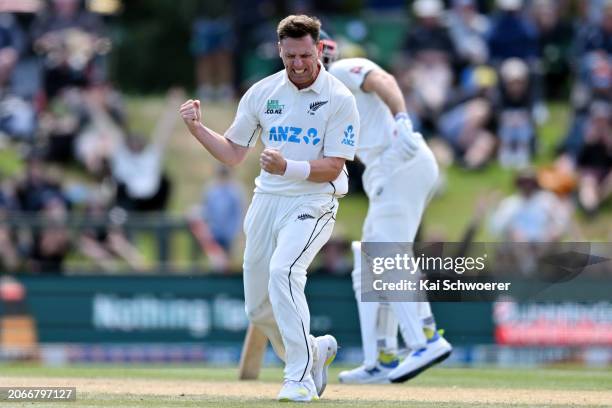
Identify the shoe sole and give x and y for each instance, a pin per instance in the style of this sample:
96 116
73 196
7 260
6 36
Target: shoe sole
315 398
419 370
326 365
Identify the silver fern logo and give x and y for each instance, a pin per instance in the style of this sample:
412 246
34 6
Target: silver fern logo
315 106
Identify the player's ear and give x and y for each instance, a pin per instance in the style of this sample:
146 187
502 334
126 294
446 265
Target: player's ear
280 49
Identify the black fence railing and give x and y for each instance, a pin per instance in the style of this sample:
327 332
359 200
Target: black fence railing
166 242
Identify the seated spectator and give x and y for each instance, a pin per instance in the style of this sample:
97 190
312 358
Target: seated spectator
530 215
223 208
17 118
218 221
597 37
51 240
137 167
594 161
9 259
467 125
515 126
593 84
36 186
105 242
69 38
554 42
60 124
425 71
468 29
511 34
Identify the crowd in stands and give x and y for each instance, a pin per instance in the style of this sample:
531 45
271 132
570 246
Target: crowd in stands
477 76
58 106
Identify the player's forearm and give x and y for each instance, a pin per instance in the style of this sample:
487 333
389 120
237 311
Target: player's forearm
325 169
387 88
218 146
392 96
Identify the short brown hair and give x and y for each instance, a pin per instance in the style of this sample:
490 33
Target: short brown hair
298 26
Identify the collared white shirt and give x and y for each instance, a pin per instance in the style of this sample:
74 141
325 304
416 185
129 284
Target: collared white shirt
377 122
304 124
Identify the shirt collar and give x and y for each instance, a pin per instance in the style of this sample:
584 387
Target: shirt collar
316 86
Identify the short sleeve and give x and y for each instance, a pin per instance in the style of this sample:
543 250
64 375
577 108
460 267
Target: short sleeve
245 128
342 134
352 72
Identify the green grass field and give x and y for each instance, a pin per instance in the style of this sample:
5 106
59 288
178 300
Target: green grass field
194 386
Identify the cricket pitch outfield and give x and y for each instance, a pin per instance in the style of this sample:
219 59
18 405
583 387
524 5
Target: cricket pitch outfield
197 386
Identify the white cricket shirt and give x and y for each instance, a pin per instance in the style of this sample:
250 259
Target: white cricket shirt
377 122
308 124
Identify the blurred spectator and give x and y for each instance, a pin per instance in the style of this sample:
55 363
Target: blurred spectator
217 222
531 215
468 29
512 35
70 38
223 208
594 83
335 258
593 9
516 129
101 135
597 37
212 43
17 118
11 45
60 123
467 125
595 159
51 240
9 260
105 242
555 41
425 70
37 186
137 167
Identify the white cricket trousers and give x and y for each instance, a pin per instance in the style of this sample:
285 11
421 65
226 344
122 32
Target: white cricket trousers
398 191
283 235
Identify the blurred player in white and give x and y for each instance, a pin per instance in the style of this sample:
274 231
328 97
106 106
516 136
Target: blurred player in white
399 179
309 125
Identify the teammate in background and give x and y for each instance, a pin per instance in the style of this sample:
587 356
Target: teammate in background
399 179
309 125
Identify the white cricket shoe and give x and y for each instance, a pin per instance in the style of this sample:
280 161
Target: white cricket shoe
363 375
298 391
324 349
436 351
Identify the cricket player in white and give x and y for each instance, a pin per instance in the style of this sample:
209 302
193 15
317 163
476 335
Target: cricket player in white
399 180
309 124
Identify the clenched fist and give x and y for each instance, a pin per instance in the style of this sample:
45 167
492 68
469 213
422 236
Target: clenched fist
273 162
190 112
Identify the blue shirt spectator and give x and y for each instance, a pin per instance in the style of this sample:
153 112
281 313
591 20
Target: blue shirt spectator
512 35
222 209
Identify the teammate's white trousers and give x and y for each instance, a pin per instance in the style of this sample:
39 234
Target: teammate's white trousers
398 192
283 235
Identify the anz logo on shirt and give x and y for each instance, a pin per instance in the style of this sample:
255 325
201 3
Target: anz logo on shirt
293 135
349 136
